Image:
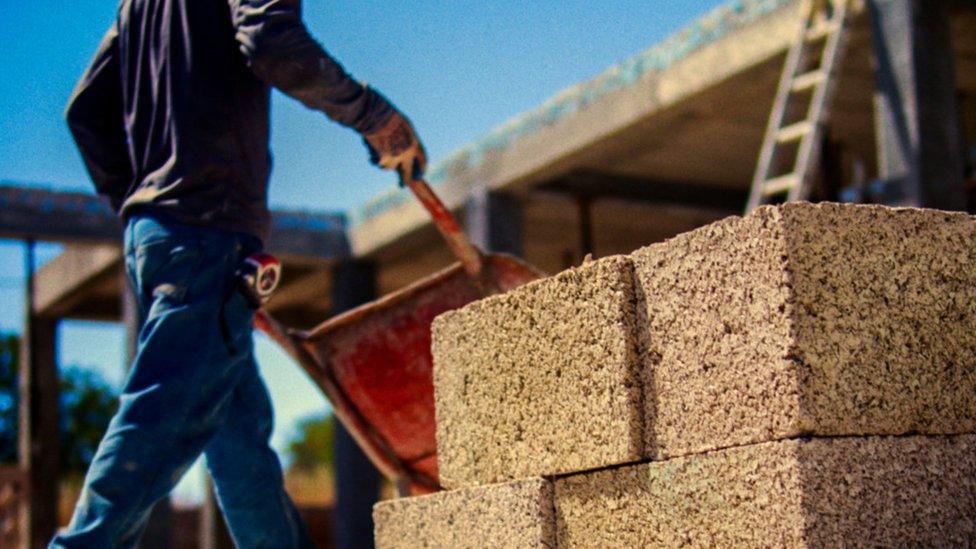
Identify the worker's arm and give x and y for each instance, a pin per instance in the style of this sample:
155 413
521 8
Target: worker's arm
280 51
95 115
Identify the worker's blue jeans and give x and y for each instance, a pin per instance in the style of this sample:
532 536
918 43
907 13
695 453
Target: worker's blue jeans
193 387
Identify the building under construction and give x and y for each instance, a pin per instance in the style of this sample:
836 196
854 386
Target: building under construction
757 101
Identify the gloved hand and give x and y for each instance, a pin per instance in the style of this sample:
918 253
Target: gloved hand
395 146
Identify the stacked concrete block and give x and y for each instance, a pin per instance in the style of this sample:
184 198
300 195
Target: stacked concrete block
708 358
809 319
798 320
821 492
540 380
517 514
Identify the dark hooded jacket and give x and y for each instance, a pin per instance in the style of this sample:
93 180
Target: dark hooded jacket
173 113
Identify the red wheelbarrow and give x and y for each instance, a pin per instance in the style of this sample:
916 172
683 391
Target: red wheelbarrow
374 362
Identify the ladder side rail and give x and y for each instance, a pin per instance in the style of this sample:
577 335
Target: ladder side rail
812 142
767 155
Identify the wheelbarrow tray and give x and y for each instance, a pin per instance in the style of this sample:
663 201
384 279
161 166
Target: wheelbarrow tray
374 364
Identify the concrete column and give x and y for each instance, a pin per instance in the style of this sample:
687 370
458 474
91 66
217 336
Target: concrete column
39 414
357 482
584 205
917 123
494 222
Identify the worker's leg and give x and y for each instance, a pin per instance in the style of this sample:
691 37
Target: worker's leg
247 474
191 353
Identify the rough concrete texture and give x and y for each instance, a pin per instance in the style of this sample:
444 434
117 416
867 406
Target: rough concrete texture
517 514
541 380
797 320
877 491
809 319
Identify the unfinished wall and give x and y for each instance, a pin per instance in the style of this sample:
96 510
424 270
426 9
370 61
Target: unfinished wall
721 360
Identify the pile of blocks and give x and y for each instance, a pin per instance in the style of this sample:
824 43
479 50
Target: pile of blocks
801 376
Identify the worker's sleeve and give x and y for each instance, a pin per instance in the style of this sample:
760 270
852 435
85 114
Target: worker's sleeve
281 52
95 115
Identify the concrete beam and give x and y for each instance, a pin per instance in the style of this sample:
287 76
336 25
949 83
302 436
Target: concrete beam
597 185
72 217
296 235
68 278
86 282
304 299
41 214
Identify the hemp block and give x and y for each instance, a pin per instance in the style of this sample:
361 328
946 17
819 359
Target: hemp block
797 320
870 492
517 514
541 380
808 319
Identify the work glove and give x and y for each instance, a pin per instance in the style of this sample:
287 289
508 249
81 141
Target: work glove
395 146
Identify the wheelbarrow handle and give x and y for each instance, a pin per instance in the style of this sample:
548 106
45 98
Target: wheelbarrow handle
467 253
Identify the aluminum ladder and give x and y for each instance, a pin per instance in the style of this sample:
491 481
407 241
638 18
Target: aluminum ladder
825 27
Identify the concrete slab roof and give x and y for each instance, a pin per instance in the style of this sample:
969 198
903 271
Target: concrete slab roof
725 41
686 116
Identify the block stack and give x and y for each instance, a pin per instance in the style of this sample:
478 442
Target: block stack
802 376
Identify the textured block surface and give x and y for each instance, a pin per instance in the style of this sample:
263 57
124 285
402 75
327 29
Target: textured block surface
875 491
541 380
826 319
516 514
797 320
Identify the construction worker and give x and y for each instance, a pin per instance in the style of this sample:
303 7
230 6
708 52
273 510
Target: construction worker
172 122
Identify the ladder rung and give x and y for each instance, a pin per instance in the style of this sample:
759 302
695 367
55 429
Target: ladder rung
808 80
780 184
820 30
793 132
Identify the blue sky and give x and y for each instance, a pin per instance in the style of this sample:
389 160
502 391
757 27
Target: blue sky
456 68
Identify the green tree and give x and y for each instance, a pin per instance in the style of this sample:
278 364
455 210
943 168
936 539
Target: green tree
311 447
86 406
